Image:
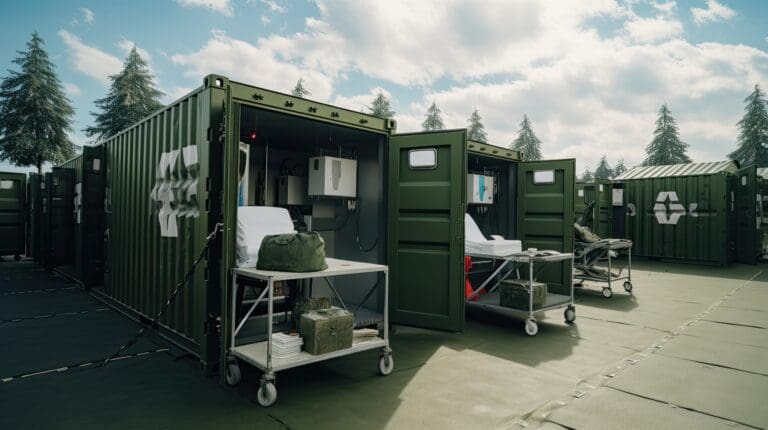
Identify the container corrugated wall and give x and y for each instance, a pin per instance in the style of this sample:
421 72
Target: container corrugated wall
157 216
692 222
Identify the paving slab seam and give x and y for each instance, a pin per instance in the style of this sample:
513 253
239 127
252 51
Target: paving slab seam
54 315
722 366
42 290
734 324
729 420
586 385
79 365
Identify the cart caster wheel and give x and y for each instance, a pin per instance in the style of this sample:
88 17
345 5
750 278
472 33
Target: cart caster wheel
267 395
17 257
233 374
570 314
628 286
386 365
531 327
607 293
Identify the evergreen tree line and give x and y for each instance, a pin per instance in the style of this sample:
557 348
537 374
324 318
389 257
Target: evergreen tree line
36 117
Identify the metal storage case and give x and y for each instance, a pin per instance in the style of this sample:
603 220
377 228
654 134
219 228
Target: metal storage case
697 212
13 192
171 178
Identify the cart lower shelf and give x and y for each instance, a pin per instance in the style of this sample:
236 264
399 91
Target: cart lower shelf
256 354
492 300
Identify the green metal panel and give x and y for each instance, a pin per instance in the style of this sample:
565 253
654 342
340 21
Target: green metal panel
426 231
33 215
13 191
684 217
585 194
545 212
678 170
482 148
61 187
87 264
603 208
747 239
158 177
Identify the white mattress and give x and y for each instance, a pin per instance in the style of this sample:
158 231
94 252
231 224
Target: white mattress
255 222
475 242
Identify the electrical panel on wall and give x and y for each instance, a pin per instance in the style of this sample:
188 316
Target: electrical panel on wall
479 189
333 177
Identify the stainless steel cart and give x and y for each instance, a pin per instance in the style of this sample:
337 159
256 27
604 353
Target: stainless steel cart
586 269
259 354
511 263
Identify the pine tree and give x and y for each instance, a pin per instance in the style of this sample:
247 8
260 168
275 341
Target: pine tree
132 96
434 119
603 169
666 146
587 176
619 168
35 115
380 107
300 90
753 131
476 127
527 142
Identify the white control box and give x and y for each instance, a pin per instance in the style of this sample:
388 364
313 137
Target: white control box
332 176
479 189
292 191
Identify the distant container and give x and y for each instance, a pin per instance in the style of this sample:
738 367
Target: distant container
83 176
13 192
697 212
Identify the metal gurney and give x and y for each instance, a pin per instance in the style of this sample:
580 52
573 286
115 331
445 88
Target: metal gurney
590 249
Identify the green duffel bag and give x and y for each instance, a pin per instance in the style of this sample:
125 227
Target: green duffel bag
292 252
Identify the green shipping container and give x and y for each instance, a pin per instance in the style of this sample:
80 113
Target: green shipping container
697 212
86 263
171 178
13 192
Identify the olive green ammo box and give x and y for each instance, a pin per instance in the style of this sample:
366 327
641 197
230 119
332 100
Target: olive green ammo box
326 330
306 304
514 293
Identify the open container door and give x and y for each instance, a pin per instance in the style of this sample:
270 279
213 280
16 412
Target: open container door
603 208
747 222
545 215
12 213
62 214
427 185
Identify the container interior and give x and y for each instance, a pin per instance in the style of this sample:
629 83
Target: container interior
499 217
275 152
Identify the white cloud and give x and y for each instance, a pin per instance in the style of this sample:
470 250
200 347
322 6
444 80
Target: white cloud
667 8
361 102
88 16
646 30
265 20
261 64
274 6
72 90
586 94
713 13
126 45
90 60
220 6
175 93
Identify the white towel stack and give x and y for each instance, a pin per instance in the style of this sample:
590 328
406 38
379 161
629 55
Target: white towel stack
286 345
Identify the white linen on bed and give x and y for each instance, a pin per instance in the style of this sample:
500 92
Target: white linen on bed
255 222
475 242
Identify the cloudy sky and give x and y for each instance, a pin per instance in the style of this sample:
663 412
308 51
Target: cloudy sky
591 74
